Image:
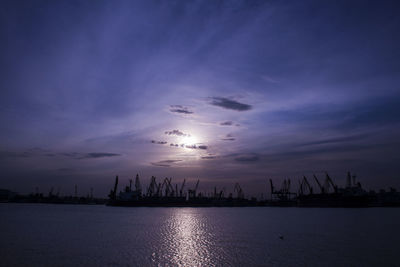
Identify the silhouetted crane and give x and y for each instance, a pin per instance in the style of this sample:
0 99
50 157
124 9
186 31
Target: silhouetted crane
138 187
328 183
319 185
304 186
238 191
193 193
152 187
282 194
181 190
113 193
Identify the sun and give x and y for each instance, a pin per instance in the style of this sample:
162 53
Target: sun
189 140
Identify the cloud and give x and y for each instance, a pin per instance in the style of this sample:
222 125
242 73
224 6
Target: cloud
95 155
40 153
158 142
174 144
92 155
229 137
180 109
176 132
336 140
31 152
189 146
247 157
10 154
196 147
227 103
375 112
122 139
226 123
70 154
209 157
165 163
229 123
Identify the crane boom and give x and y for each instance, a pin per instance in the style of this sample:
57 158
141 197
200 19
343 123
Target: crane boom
181 190
319 184
308 184
331 182
138 187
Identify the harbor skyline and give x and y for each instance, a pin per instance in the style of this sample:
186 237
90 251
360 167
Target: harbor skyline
224 92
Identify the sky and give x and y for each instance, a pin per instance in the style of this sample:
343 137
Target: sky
221 91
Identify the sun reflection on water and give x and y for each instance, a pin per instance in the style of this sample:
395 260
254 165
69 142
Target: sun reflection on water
186 240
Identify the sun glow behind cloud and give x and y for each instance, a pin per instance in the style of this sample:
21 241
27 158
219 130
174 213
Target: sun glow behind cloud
190 140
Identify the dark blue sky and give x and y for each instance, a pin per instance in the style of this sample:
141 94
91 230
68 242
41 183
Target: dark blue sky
223 91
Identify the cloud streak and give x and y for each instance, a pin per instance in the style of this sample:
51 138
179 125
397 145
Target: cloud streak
93 155
247 157
165 163
158 142
226 123
228 137
227 103
352 138
176 132
180 109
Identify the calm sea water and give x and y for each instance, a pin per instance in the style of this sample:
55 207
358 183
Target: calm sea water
68 235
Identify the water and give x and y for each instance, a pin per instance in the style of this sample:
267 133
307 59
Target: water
68 235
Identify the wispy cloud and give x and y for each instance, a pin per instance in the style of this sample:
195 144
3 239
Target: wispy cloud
247 157
227 103
95 155
45 153
228 137
180 109
158 142
209 157
10 154
196 146
226 123
165 163
176 132
31 152
92 155
336 140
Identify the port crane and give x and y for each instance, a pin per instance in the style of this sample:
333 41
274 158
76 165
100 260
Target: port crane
138 187
192 193
113 193
305 186
329 183
152 187
169 189
319 185
282 194
222 193
181 190
239 191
